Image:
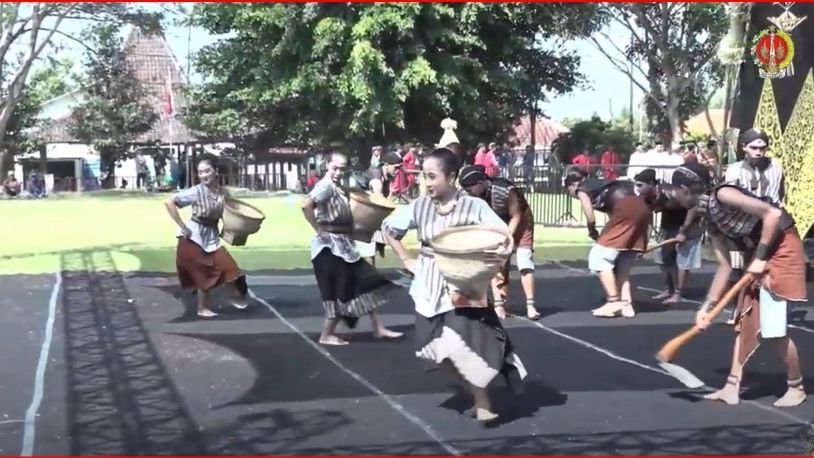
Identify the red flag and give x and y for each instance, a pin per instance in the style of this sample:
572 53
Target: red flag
169 105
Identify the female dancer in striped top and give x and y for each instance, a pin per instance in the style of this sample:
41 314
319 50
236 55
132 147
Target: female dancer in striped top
467 341
349 286
201 261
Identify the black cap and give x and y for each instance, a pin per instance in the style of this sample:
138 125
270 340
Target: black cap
391 158
472 174
646 176
693 174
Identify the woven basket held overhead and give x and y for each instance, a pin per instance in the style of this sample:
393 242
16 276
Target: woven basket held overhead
469 257
239 221
369 211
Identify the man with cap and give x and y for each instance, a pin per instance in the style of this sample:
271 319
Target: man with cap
676 223
758 174
774 255
623 238
508 202
378 182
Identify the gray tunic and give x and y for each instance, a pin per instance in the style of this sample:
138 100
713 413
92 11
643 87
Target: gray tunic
207 206
428 288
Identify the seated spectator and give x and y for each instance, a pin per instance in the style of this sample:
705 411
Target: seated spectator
11 186
36 185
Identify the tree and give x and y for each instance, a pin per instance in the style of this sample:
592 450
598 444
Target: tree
590 135
670 57
115 109
28 29
358 73
45 83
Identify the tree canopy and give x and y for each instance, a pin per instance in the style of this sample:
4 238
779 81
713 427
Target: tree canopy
670 55
357 73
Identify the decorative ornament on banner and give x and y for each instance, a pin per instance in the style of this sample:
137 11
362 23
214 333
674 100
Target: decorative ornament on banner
773 48
772 52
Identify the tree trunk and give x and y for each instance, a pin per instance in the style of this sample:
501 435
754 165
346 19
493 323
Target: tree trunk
6 163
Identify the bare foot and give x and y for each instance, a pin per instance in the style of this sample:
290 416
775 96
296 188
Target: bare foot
728 394
385 333
484 415
609 310
674 299
206 313
662 295
500 311
239 304
332 340
794 396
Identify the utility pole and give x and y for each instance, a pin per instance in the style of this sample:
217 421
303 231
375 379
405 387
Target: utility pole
630 78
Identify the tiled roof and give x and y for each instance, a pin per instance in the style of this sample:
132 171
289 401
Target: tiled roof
153 63
545 132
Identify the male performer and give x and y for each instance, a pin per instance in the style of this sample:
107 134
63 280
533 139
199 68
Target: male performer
774 255
377 180
508 202
622 239
760 175
676 223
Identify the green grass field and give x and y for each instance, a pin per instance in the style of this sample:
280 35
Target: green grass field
136 230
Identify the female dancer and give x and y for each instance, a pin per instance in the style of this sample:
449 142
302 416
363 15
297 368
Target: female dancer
468 342
775 257
349 286
202 263
621 240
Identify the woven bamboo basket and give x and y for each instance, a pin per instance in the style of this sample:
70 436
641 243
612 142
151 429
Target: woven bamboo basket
469 257
369 211
240 220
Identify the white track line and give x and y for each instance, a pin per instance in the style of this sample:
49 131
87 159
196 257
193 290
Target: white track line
29 428
612 355
367 384
571 269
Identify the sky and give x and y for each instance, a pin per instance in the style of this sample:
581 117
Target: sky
608 90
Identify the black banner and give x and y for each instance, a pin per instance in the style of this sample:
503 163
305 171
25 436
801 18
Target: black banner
786 90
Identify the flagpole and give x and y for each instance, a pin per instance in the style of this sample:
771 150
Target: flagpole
170 112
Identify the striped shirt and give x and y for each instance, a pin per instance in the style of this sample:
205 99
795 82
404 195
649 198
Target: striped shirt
768 183
207 207
500 194
332 207
733 223
428 288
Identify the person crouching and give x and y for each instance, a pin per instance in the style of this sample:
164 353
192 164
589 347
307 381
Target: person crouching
622 239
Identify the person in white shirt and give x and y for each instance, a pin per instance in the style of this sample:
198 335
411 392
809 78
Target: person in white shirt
637 162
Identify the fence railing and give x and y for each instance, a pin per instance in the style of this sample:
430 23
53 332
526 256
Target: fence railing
542 185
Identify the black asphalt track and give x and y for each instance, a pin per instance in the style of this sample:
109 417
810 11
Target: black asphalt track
131 370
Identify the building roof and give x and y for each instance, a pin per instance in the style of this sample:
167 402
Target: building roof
545 132
698 124
154 64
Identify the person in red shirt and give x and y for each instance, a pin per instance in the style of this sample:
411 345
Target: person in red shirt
409 166
486 158
610 164
583 161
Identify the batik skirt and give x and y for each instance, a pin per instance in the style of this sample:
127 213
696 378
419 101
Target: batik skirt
349 290
474 341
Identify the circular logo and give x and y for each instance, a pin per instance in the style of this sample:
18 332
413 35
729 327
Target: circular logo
772 52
